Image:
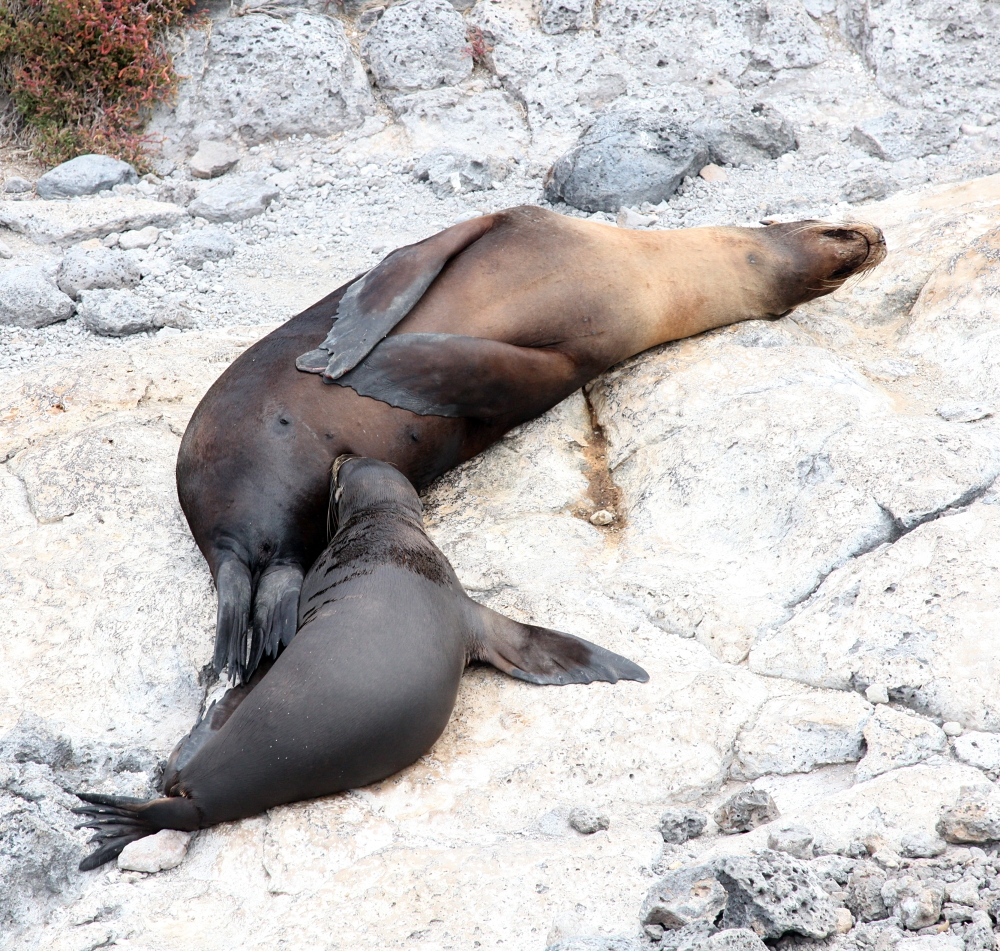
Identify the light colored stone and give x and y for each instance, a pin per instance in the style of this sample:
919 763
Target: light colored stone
264 77
684 897
627 218
896 136
974 816
66 223
877 693
418 44
921 846
845 921
799 733
155 853
85 270
734 939
213 159
587 821
772 894
679 825
896 739
931 942
916 902
745 810
205 244
797 841
713 173
143 238
451 171
15 185
116 313
28 298
951 728
978 749
5 252
560 16
235 199
85 175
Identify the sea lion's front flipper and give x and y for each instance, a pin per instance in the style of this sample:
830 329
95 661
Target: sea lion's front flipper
471 377
543 656
119 820
380 299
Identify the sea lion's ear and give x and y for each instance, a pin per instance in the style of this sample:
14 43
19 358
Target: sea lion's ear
543 656
458 376
380 299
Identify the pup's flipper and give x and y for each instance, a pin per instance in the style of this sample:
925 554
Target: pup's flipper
380 299
119 820
275 611
232 627
214 720
471 377
543 656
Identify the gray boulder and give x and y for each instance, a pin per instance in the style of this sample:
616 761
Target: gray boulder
31 741
264 77
15 185
28 298
418 44
795 840
234 200
94 269
683 898
679 825
208 244
116 313
772 894
560 16
626 158
746 810
747 138
85 175
452 171
900 135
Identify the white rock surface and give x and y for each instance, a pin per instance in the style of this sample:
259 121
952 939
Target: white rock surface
155 853
802 511
213 159
116 313
978 749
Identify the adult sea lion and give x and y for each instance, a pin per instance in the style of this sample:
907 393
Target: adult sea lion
366 686
440 350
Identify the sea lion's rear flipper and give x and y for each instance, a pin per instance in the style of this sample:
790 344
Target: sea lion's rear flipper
119 820
543 656
235 589
471 377
380 299
275 611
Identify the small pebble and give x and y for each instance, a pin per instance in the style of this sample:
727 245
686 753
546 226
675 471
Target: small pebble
713 173
588 821
155 853
877 693
951 728
679 825
602 517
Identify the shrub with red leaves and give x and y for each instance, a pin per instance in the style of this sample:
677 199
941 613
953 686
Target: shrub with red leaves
84 74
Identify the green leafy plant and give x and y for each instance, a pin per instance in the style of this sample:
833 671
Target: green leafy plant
84 74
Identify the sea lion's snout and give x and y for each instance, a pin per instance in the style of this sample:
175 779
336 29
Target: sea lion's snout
855 248
820 256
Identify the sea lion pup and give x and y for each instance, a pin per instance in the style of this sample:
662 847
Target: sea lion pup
368 683
489 323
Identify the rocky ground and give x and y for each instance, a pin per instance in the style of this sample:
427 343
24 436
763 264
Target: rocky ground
803 546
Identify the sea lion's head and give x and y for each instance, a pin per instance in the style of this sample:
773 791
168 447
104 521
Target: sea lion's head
816 257
361 484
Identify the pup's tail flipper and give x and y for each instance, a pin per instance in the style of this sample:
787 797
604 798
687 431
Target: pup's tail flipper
540 655
119 820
